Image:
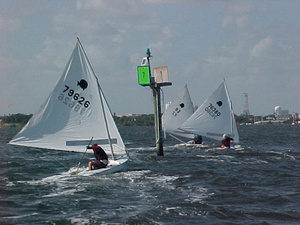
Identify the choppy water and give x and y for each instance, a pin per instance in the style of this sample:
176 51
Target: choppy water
258 184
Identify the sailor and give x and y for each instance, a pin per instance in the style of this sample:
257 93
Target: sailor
101 158
197 139
226 141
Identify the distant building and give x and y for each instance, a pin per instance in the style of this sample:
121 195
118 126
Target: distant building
281 114
258 118
246 111
277 110
132 115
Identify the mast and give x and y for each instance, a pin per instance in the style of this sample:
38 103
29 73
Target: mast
101 100
231 110
106 125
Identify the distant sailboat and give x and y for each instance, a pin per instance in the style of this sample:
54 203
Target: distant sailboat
75 112
177 112
214 117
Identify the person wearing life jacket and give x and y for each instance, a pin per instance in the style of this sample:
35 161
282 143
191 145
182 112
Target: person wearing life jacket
101 158
226 141
197 139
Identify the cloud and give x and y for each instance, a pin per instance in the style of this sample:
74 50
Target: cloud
112 8
261 47
160 1
174 1
7 24
237 14
7 64
90 4
240 9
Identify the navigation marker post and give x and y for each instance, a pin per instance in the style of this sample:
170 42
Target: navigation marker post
157 81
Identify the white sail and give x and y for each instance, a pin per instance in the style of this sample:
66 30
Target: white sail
177 112
214 117
75 112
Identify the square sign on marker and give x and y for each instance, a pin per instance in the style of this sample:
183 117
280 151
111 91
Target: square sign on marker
144 77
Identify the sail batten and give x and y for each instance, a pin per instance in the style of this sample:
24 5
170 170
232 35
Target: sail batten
86 142
73 113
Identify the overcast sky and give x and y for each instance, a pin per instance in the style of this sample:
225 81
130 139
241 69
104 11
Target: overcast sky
254 45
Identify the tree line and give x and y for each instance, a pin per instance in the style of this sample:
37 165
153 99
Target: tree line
139 120
18 118
135 120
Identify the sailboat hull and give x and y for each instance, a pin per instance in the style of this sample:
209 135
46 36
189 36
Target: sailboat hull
112 167
192 145
234 147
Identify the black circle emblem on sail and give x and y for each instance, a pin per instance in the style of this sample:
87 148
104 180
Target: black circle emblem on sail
182 105
83 84
219 103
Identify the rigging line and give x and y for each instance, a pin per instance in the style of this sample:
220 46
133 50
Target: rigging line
61 163
178 139
230 106
102 98
116 146
93 72
39 150
106 125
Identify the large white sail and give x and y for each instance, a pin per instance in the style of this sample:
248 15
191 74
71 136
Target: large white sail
214 117
177 112
75 112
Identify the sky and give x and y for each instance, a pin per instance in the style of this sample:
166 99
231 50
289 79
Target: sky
253 44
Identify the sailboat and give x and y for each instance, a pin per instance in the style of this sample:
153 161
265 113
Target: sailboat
214 117
177 112
75 113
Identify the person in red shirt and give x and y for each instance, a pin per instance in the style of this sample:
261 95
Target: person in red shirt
226 141
101 158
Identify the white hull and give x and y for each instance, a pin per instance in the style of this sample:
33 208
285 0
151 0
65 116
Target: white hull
112 167
192 145
207 147
234 147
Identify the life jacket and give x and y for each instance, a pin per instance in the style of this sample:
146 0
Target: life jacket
99 153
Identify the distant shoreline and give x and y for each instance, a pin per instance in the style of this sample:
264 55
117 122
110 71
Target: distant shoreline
2 125
19 120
